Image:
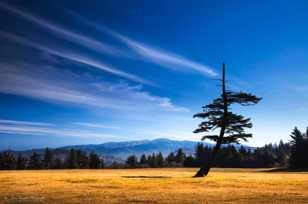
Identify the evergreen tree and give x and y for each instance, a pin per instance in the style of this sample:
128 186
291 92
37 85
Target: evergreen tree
179 156
217 115
283 154
160 160
152 160
171 160
35 161
94 161
132 161
299 151
201 154
143 161
7 161
71 161
189 161
58 164
82 159
48 159
21 162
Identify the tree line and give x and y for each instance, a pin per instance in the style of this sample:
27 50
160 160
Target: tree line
73 159
272 155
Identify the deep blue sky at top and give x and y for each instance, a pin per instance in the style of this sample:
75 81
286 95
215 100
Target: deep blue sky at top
75 72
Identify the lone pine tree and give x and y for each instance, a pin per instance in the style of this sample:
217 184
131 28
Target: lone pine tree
217 115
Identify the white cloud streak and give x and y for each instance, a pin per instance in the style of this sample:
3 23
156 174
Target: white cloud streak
163 58
48 84
15 122
64 33
39 129
147 53
74 57
96 125
154 55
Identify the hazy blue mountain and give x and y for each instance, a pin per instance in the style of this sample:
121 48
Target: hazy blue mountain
123 149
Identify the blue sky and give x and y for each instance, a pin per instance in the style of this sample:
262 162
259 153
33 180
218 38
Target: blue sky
77 72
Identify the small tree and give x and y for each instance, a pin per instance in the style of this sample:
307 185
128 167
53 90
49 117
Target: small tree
48 159
71 160
160 160
132 161
21 162
171 160
94 161
180 156
35 161
143 161
217 115
82 159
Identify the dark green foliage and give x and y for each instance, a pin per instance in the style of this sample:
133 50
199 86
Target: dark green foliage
35 161
160 160
217 115
201 154
94 161
7 161
143 161
267 156
171 160
82 160
71 161
189 161
132 161
180 156
48 159
152 161
58 164
299 152
21 162
228 157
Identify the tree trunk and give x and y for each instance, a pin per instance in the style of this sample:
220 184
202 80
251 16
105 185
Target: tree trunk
204 170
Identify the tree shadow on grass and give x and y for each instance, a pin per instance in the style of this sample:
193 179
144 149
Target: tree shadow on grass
147 177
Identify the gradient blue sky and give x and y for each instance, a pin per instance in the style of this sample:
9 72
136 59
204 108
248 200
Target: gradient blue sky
80 72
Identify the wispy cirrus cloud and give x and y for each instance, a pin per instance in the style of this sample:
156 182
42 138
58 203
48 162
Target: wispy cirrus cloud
74 57
44 129
164 58
52 85
96 125
19 122
147 53
64 33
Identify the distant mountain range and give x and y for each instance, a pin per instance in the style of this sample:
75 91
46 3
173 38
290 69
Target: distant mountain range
124 149
119 151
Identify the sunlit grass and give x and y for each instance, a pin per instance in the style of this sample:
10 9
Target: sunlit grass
152 186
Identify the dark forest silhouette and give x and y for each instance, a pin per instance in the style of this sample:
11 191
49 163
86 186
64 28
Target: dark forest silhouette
272 155
299 151
218 115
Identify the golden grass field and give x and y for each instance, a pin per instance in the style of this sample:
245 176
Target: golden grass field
152 186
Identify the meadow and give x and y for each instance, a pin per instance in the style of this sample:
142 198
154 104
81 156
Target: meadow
153 186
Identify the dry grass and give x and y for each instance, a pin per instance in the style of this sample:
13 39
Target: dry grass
152 186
